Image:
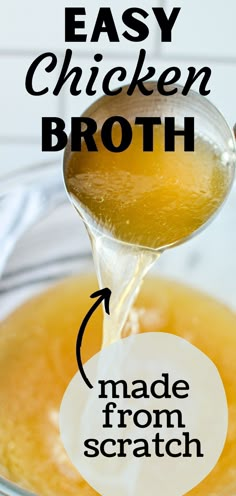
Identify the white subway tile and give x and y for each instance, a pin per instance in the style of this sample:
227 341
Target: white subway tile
39 26
23 112
204 28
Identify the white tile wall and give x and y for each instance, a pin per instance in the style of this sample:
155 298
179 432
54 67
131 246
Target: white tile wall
204 28
204 34
22 112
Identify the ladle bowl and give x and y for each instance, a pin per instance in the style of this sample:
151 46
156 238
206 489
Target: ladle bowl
209 124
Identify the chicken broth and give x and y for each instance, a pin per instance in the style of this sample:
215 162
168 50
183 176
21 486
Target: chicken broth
37 359
151 199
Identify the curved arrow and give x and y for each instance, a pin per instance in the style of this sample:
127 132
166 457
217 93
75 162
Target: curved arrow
105 295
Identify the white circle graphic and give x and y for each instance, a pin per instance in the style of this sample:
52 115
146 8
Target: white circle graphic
155 421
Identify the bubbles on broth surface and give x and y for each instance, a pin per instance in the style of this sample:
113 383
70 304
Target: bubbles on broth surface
150 199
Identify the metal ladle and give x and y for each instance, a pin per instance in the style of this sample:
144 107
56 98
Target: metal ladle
209 123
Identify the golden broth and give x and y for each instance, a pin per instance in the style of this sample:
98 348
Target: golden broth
151 199
37 361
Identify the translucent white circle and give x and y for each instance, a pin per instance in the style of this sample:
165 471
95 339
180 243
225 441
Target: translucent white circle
117 434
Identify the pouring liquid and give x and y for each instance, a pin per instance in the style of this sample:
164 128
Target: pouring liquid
122 269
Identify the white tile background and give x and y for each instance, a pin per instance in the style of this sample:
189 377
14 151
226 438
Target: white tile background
204 34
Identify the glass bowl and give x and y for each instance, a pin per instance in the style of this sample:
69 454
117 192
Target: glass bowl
56 246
